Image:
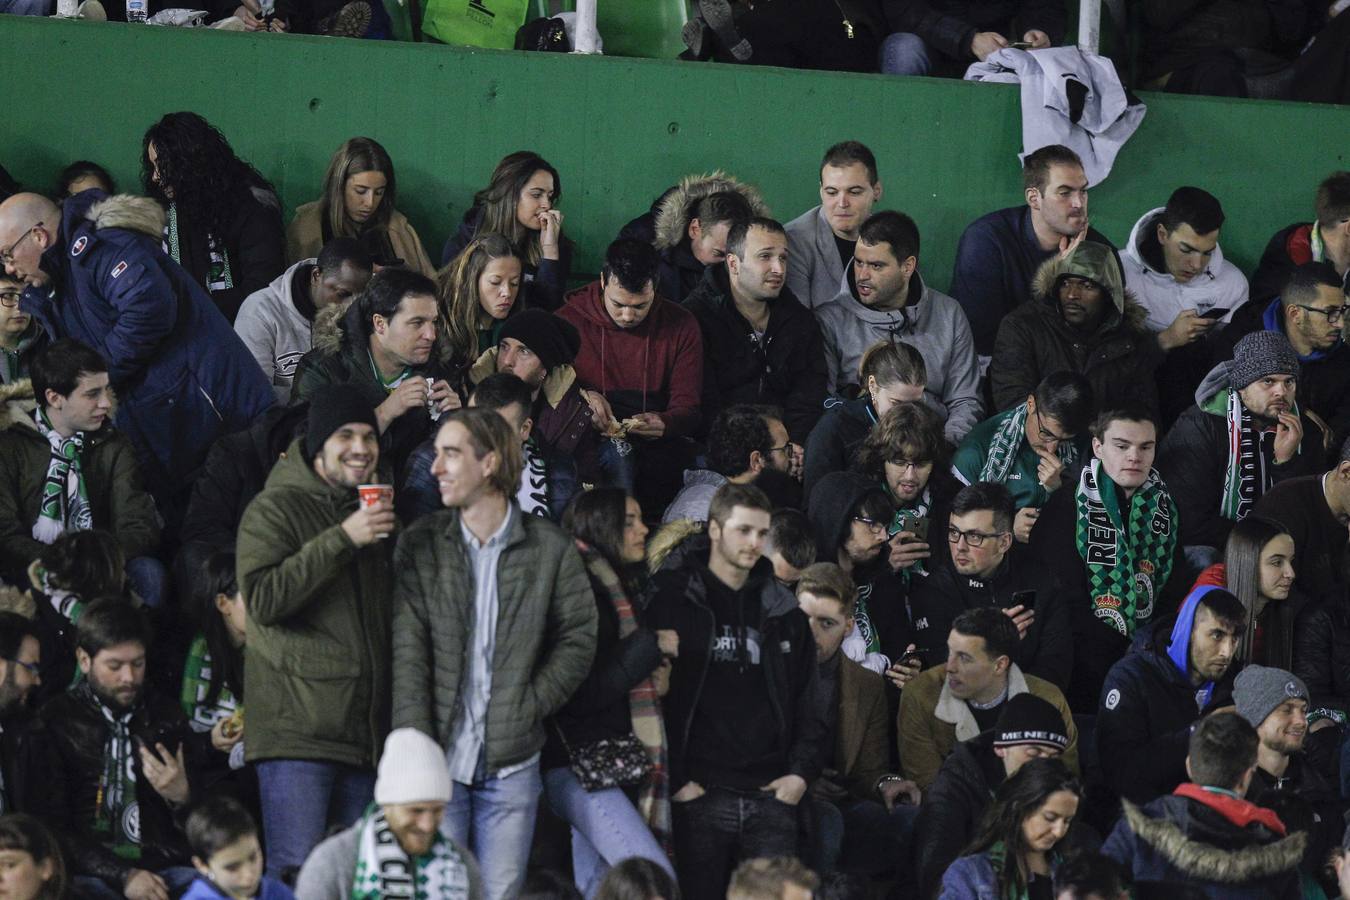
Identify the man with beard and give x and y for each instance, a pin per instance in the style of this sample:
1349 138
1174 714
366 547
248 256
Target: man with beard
114 766
20 656
1244 434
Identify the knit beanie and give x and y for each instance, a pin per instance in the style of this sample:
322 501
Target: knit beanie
412 770
554 340
1259 354
330 408
1260 689
1027 719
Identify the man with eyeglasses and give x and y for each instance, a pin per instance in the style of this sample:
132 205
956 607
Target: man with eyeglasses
744 444
20 337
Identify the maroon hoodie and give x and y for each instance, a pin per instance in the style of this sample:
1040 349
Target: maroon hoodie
656 366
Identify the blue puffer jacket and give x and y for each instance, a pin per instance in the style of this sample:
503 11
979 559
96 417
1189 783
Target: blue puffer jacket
268 889
182 376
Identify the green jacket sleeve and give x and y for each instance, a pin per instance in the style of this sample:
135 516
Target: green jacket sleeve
279 574
414 685
572 622
134 519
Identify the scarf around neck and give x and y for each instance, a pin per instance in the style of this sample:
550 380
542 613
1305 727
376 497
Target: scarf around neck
1251 452
117 815
920 506
1007 442
65 502
385 872
218 275
1128 557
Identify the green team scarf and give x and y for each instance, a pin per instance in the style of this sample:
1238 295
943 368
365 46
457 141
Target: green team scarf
218 275
919 507
384 871
65 500
1246 476
1127 561
197 687
117 816
1007 442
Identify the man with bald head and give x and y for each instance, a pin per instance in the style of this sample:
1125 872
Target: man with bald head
95 271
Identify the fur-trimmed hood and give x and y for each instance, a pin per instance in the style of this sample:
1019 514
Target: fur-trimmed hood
130 212
1254 853
556 384
328 330
672 219
17 402
1098 263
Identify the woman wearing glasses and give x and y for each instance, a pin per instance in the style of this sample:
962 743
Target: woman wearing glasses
20 337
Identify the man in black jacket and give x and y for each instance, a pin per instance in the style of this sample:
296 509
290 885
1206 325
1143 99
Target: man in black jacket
760 345
20 656
943 37
745 729
1315 510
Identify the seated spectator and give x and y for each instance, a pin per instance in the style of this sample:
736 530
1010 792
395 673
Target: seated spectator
891 372
760 345
638 879
508 395
790 546
115 765
1325 239
212 692
1090 876
1032 448
1314 511
1028 728
866 812
1258 569
519 204
360 197
1082 319
954 702
742 443
1021 838
1180 671
1310 312
763 733
943 37
886 298
82 175
383 348
475 295
777 878
224 224
402 844
986 568
181 374
34 863
276 323
691 227
1000 253
228 855
1112 546
317 585
822 239
641 370
20 665
1245 432
1204 833
21 337
65 468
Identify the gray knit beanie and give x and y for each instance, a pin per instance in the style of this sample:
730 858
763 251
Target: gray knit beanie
1259 689
1259 354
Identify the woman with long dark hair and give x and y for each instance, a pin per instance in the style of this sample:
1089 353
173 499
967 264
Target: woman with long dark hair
360 197
1019 842
476 294
224 224
519 204
1258 569
213 679
617 704
32 866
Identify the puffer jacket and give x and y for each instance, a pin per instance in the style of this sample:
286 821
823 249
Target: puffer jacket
319 608
1118 359
254 244
545 643
680 271
111 478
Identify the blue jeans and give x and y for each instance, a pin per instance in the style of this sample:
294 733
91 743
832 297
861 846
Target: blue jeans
494 818
27 7
723 827
619 469
149 578
903 53
301 798
606 829
177 878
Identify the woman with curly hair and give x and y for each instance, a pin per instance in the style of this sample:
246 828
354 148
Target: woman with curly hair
476 294
359 201
518 203
224 225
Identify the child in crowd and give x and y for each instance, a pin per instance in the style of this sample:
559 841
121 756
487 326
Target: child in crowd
227 853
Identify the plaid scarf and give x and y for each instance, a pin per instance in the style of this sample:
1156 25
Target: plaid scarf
385 872
1007 441
65 502
648 725
1250 448
1127 561
117 816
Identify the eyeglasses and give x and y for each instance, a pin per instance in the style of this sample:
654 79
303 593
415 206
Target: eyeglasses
872 524
30 667
973 538
915 464
786 448
10 299
7 257
1048 436
1334 315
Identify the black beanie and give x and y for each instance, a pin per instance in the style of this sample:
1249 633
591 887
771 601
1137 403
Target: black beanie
551 338
1027 719
331 407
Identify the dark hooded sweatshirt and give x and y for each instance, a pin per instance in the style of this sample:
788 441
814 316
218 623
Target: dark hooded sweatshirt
834 442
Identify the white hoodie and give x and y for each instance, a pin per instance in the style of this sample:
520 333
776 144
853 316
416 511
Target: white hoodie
274 330
1220 286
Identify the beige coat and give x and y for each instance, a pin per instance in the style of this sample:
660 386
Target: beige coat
304 239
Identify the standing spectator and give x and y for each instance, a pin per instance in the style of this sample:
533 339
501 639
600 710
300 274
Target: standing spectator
224 219
21 337
494 631
475 295
1325 239
360 198
1314 510
885 297
1258 569
691 227
520 203
228 855
943 37
35 867
20 662
822 239
317 584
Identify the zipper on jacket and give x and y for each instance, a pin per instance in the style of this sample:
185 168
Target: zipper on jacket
211 402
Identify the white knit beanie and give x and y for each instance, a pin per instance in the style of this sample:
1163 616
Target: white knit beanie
413 769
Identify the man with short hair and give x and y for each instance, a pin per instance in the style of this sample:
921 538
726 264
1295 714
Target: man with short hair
954 702
314 571
1204 834
65 468
1180 670
790 546
403 847
986 568
494 629
1000 252
742 443
760 345
1315 510
691 231
1090 876
779 878
885 297
20 662
276 322
822 239
745 726
1325 239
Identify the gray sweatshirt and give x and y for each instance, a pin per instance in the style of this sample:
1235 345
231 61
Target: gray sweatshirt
274 331
329 871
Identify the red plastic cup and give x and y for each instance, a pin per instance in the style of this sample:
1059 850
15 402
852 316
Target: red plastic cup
372 494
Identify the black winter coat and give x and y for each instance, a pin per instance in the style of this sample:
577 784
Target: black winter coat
952 808
255 244
834 443
949 26
1322 653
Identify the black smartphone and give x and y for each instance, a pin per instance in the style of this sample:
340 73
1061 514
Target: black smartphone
1215 313
915 525
909 655
1024 599
171 736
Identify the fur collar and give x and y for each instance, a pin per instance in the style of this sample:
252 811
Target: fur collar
1205 862
130 212
556 383
955 712
17 402
672 219
327 332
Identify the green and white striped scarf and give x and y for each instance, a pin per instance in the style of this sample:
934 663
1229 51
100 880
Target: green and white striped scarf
1007 441
65 502
385 872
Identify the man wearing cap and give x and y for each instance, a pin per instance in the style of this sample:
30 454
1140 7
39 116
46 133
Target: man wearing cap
400 847
314 567
1244 433
1028 728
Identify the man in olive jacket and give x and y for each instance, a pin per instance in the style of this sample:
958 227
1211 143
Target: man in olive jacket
494 628
314 570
